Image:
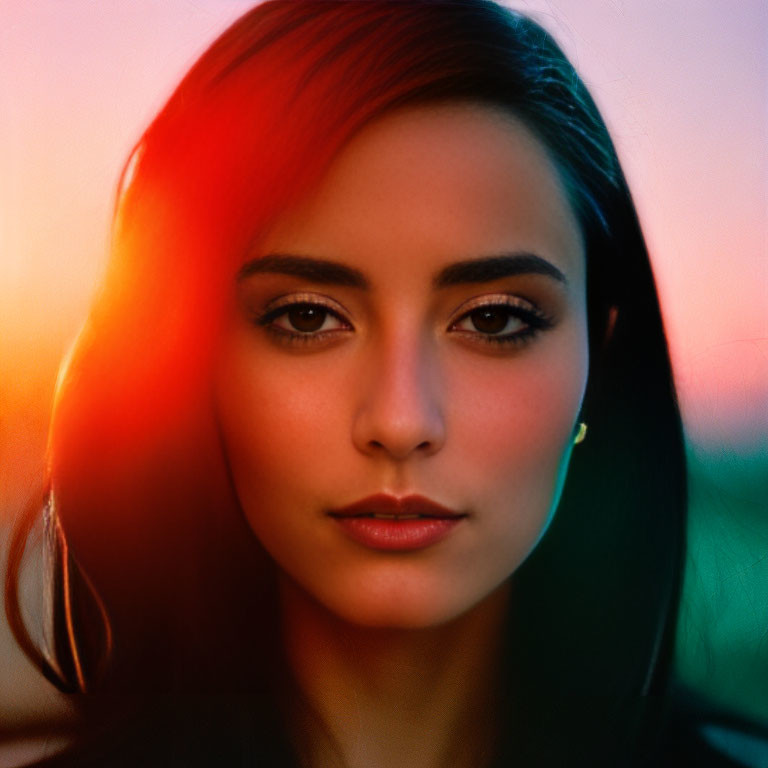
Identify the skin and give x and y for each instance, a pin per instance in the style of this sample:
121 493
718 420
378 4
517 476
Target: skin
401 392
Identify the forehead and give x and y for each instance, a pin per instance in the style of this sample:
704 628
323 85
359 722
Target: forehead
429 184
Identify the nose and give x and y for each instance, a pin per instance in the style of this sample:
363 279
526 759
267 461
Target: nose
399 410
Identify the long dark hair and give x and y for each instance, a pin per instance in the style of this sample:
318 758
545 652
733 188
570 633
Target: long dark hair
163 608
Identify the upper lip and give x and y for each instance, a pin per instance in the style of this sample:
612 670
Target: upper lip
382 503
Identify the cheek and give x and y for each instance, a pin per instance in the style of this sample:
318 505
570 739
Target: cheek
279 422
514 435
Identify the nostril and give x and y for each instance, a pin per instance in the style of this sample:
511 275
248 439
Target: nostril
377 445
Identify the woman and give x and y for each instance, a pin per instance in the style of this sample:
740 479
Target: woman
375 272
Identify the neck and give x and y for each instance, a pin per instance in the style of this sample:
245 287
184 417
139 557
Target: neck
381 697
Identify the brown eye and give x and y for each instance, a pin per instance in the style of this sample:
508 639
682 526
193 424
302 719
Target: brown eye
303 321
306 317
510 321
493 320
490 319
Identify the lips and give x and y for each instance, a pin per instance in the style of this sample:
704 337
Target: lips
386 523
383 506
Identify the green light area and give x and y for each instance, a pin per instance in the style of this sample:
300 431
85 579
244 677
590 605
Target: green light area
722 642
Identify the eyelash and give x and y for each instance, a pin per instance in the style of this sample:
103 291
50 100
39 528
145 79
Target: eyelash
535 320
290 337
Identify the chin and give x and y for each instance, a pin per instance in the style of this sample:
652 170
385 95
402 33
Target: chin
398 606
395 616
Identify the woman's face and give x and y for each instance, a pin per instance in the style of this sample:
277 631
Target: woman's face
417 328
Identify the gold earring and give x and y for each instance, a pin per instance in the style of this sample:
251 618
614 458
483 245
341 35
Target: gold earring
581 434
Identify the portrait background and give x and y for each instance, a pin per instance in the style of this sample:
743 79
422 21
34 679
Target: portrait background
684 89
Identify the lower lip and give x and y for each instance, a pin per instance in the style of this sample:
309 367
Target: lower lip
397 535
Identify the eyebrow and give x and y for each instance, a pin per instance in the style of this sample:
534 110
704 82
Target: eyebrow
494 267
316 270
481 270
